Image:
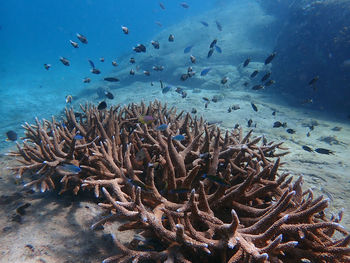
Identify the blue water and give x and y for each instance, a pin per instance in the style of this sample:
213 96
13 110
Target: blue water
37 32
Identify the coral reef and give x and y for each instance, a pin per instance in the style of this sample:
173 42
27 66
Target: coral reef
192 193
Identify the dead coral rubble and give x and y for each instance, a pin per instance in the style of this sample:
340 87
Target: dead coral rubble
210 197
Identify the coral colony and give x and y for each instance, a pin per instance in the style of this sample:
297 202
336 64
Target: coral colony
192 192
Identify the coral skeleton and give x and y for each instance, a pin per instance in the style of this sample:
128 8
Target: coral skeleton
205 196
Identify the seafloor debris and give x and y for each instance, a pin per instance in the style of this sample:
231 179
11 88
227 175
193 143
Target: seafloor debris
210 197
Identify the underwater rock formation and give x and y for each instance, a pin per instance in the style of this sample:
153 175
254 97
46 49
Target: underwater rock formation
193 193
320 46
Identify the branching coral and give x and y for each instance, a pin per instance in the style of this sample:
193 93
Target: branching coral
208 197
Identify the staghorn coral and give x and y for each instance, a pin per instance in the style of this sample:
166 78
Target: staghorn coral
211 197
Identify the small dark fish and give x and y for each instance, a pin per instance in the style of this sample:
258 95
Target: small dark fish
229 110
270 82
188 49
210 52
236 107
194 111
64 61
218 25
162 127
158 68
183 94
178 137
205 98
245 84
11 136
308 134
306 101
218 49
171 38
155 44
323 151
82 38
111 79
147 73
132 72
109 95
204 23
254 107
166 89
216 179
278 124
162 6
179 90
91 63
270 58
274 113
140 184
213 43
205 71
246 62
224 80
132 60
179 191
291 131
125 30
193 59
307 148
47 66
215 99
336 128
78 137
21 211
158 23
184 5
102 59
70 168
86 80
250 121
114 63
255 72
266 76
139 48
184 77
74 44
95 71
257 87
314 80
206 104
102 105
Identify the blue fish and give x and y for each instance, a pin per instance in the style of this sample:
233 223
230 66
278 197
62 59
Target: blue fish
162 127
70 168
78 137
204 23
218 49
205 71
91 64
188 49
178 137
166 89
216 179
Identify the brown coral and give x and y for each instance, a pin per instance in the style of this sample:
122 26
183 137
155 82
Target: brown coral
207 198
